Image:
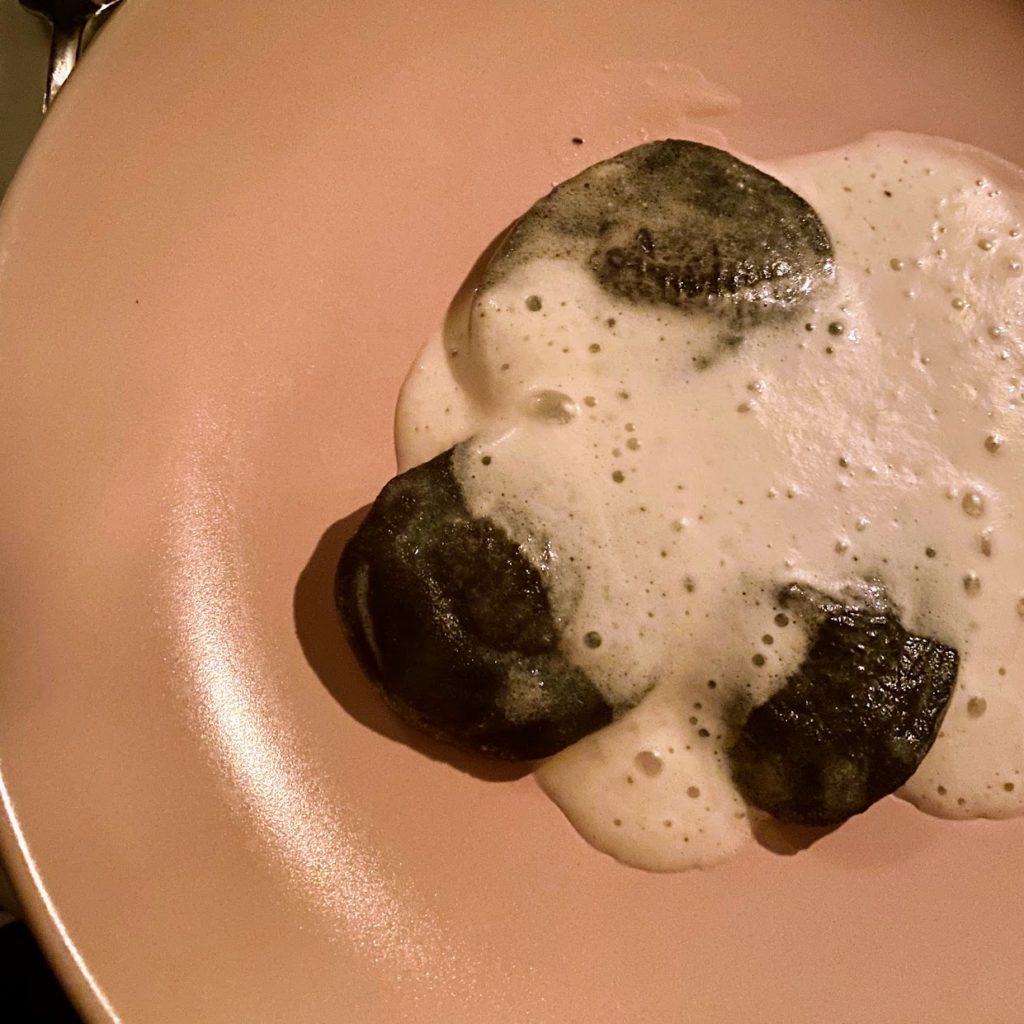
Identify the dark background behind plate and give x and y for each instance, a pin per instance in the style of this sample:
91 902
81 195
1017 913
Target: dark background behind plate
26 980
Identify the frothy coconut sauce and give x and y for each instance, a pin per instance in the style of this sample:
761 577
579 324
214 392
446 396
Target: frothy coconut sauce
877 436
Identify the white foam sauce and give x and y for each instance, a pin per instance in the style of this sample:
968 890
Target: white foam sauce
884 440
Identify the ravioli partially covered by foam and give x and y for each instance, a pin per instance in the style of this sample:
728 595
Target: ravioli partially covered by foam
684 387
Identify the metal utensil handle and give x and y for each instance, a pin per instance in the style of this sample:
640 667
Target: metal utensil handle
65 47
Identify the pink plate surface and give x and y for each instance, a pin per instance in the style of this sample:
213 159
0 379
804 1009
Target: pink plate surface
236 228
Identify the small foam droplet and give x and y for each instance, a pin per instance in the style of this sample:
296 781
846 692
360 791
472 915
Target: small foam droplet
649 762
973 503
976 707
985 542
554 407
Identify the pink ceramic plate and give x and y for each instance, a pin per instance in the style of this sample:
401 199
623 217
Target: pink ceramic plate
237 227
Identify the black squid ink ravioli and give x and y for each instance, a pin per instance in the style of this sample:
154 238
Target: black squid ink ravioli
477 626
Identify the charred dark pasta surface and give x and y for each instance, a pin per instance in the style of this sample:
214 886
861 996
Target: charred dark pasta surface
450 617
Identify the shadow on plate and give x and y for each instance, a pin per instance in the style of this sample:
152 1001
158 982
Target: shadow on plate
329 654
786 839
